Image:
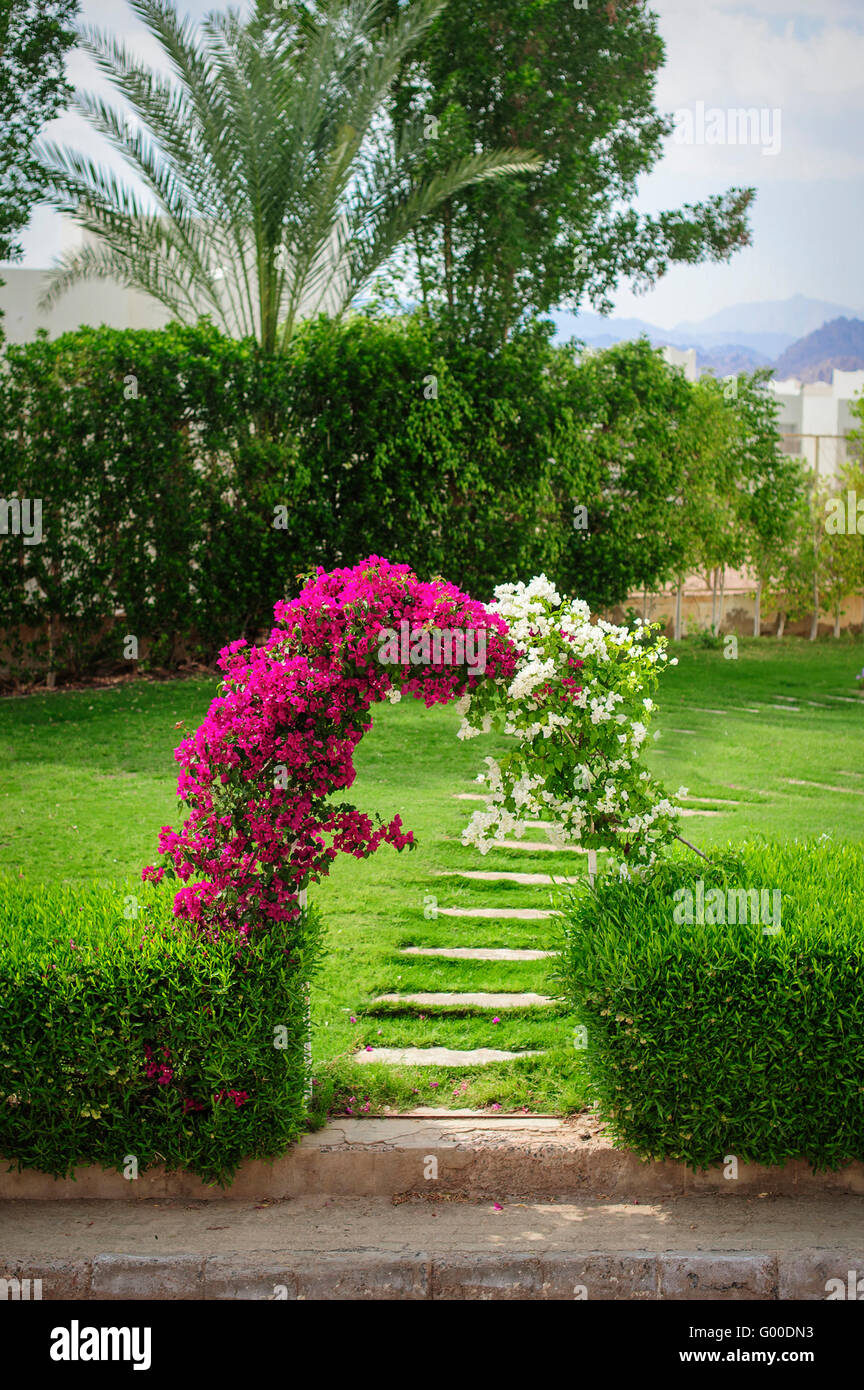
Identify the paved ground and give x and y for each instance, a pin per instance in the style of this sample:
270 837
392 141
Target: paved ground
428 1207
339 1248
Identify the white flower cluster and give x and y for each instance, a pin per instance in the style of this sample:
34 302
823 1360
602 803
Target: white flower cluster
577 708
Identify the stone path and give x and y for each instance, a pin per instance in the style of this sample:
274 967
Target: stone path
518 914
494 1002
439 1056
467 1001
475 952
490 876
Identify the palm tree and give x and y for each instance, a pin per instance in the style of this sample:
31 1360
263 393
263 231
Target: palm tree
274 186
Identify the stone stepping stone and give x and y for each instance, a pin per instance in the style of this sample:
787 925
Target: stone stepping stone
516 914
845 699
692 811
823 786
489 876
438 1056
475 952
532 846
473 1001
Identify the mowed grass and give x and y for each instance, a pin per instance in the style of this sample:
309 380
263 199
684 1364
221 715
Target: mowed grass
770 742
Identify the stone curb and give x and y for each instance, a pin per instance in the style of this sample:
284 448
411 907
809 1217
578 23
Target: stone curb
475 1158
475 1276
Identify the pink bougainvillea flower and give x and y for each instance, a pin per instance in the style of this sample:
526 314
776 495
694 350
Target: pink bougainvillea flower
258 776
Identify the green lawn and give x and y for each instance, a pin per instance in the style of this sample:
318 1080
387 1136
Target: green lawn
772 741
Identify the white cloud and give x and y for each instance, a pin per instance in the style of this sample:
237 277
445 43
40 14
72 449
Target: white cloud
728 56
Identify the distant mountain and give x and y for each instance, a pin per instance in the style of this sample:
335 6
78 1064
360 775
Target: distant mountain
793 317
742 337
598 331
730 359
813 358
757 332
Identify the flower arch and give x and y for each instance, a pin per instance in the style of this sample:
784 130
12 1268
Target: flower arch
260 773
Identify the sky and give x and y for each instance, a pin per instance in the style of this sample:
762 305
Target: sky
796 63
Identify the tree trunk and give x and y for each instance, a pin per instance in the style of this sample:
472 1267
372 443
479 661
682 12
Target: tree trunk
721 598
714 600
592 867
837 621
814 622
781 622
51 680
678 597
448 252
757 610
644 605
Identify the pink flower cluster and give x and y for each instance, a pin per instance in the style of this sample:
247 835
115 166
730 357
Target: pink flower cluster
161 1072
279 741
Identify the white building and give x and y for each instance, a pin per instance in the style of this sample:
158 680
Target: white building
93 303
682 357
815 417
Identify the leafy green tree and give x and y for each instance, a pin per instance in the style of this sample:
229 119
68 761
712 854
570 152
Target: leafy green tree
576 83
711 522
267 188
705 446
774 484
855 436
34 38
629 472
790 582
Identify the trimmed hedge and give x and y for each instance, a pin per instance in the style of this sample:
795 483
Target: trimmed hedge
131 1038
186 480
715 1039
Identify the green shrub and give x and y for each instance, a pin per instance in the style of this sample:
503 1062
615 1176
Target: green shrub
185 480
715 1039
92 1001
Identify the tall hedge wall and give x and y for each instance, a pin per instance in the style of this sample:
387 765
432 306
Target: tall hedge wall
186 481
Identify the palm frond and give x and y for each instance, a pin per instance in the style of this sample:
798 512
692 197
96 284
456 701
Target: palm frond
264 187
